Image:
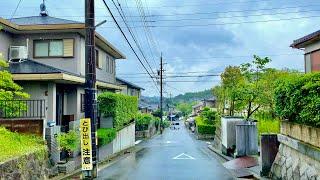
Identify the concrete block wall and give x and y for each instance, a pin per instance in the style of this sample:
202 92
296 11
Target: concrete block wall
53 147
125 138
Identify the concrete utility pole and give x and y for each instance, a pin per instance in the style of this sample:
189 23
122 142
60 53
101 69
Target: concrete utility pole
90 83
161 97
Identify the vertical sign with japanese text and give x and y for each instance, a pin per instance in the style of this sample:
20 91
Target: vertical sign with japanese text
86 146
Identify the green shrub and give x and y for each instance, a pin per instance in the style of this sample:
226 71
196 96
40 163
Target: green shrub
143 120
203 127
106 135
208 115
14 144
69 141
122 108
297 99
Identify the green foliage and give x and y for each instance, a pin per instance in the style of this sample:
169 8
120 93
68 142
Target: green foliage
208 116
69 141
203 127
14 144
9 90
106 135
121 108
185 108
192 96
157 113
143 120
297 98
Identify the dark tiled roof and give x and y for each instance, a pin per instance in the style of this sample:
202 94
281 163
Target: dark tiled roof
298 43
32 67
41 20
122 81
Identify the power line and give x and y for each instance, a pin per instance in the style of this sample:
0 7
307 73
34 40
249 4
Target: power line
133 37
225 23
15 10
128 41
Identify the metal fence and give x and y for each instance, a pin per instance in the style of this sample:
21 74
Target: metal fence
22 109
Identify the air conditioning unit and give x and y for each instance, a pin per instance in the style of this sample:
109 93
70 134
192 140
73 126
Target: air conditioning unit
18 53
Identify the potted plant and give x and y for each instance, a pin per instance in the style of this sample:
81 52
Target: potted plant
69 142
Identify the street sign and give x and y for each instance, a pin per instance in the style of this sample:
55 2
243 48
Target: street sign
86 146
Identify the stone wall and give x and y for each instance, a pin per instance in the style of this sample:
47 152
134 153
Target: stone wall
296 160
32 166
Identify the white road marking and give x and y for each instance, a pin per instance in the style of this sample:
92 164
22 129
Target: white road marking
137 142
183 156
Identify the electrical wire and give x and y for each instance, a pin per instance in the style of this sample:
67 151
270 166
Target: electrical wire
128 42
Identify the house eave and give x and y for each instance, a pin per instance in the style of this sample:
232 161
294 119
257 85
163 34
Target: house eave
75 27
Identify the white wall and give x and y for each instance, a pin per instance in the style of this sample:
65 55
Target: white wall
125 138
312 47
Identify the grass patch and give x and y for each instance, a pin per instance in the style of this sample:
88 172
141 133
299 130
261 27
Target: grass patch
268 126
13 144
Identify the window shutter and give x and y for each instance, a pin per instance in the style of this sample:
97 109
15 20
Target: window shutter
68 47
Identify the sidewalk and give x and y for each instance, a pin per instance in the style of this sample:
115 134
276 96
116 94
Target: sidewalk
254 171
103 164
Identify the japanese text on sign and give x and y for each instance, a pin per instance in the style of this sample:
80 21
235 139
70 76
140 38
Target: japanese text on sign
86 153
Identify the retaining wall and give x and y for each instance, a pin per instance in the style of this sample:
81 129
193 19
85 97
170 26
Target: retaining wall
31 166
299 153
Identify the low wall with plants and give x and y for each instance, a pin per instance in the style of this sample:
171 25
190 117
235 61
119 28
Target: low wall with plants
22 156
297 100
121 108
146 125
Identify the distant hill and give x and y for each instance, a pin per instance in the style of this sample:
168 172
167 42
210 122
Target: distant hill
193 96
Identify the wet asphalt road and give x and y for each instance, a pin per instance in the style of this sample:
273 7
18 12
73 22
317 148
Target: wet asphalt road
162 158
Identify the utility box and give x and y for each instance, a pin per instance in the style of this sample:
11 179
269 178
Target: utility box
228 132
246 139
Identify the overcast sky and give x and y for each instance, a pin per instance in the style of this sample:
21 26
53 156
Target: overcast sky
193 35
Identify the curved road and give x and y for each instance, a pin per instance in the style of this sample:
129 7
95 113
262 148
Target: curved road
175 154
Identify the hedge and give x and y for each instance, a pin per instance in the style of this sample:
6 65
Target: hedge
122 108
203 127
106 135
297 98
143 121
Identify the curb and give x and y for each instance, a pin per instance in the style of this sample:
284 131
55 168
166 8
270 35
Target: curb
105 163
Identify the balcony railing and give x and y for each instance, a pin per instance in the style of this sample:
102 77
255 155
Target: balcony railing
29 109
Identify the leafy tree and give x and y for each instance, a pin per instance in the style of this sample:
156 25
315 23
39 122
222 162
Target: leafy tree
185 108
252 92
231 81
9 90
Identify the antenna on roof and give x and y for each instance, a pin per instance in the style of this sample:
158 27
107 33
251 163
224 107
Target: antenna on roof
43 9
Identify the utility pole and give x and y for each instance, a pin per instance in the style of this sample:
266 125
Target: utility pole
161 97
90 83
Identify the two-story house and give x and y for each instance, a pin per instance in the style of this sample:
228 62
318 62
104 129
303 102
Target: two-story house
47 58
311 46
129 88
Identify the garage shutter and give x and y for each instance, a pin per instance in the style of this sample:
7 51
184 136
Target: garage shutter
68 47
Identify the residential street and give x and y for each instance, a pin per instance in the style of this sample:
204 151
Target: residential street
163 158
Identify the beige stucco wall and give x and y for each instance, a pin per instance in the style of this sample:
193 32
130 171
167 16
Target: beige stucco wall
5 42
